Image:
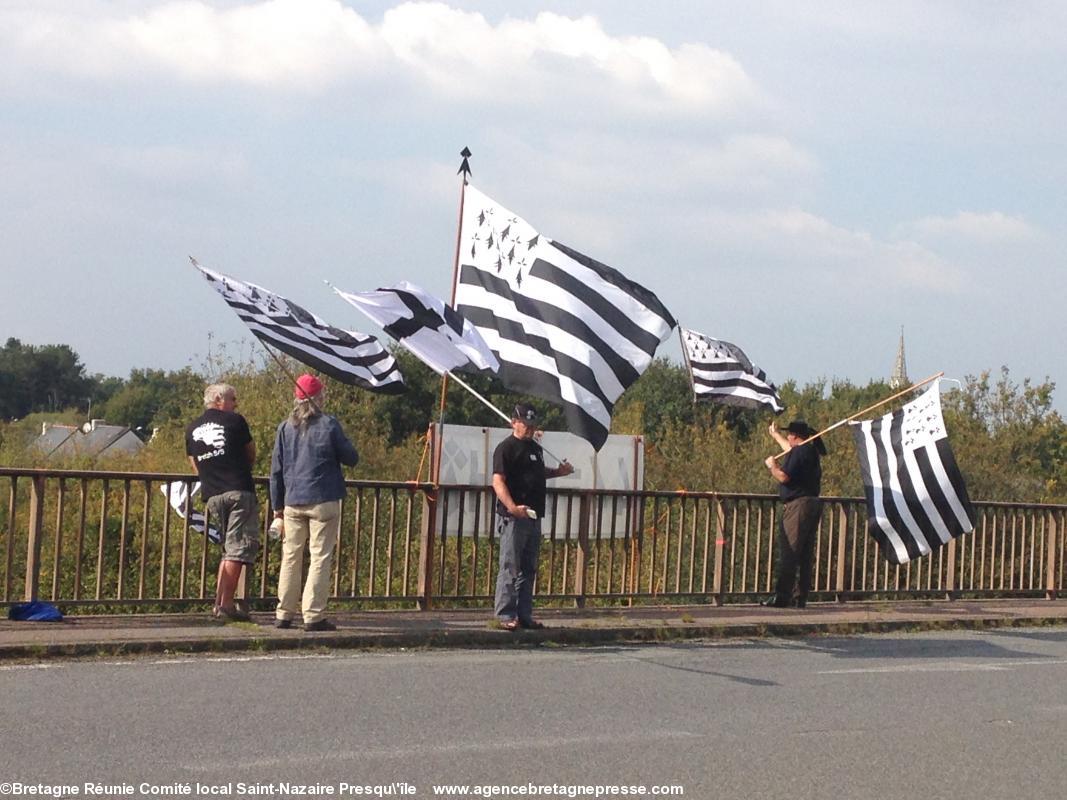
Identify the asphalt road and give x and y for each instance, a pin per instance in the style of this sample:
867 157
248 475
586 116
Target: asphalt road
935 715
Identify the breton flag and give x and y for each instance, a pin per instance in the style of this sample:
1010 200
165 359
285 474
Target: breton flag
720 371
350 357
178 493
565 328
916 499
422 323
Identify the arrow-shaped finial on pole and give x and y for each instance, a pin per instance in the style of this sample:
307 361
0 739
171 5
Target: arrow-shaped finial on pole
465 167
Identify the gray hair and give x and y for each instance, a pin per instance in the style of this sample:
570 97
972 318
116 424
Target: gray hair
303 410
217 392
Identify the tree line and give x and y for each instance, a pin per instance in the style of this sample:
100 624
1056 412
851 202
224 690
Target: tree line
1010 442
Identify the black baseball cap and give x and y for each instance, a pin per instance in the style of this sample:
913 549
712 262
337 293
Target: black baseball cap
525 412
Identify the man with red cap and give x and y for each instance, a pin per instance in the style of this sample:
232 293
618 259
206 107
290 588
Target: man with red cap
306 487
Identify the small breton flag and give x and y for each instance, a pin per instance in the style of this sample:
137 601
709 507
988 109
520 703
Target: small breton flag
350 357
179 496
916 498
564 327
720 371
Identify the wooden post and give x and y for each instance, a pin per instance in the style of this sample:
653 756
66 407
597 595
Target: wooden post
33 541
427 533
583 549
950 570
720 551
1051 551
842 531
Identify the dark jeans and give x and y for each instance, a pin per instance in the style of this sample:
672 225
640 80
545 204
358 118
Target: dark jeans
796 547
520 546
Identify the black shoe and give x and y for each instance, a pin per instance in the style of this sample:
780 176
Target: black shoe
800 602
283 623
322 625
774 602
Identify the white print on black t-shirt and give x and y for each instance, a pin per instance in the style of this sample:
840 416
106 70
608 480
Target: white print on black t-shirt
213 435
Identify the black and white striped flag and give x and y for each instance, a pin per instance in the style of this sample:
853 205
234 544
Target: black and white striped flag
426 326
916 498
720 371
179 496
350 357
565 327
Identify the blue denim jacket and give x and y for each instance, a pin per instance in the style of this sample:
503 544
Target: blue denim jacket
305 466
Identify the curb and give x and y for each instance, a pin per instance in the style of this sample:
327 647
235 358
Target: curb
498 639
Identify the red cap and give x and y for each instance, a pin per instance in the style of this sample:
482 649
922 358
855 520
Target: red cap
307 386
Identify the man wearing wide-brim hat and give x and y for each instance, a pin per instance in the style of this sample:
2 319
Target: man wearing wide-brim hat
799 481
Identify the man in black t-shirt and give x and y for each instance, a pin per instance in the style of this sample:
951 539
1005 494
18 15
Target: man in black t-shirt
519 475
221 451
799 478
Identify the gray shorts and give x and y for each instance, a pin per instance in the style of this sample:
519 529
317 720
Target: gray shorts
236 515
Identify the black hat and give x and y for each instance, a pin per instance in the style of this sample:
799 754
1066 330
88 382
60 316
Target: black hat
525 412
799 427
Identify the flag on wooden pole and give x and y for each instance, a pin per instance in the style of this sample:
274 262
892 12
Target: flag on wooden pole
348 356
916 497
564 327
422 323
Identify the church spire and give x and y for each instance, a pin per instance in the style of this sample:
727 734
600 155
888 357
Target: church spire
899 378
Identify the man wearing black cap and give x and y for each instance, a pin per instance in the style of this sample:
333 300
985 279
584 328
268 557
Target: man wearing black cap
799 478
519 475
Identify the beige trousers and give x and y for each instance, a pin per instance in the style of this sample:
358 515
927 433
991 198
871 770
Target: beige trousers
317 525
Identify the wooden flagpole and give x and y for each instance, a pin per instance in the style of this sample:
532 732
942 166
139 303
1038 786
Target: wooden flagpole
465 171
838 424
273 355
688 365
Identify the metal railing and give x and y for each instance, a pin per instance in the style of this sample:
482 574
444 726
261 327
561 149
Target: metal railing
111 539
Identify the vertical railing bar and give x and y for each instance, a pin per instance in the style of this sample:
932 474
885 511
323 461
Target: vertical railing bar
693 545
163 546
444 495
655 543
391 544
123 529
10 549
57 543
183 574
373 541
473 582
146 521
598 523
204 552
356 525
337 566
100 541
409 518
79 551
459 542
744 548
611 540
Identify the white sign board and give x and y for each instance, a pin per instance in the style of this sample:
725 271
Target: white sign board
467 460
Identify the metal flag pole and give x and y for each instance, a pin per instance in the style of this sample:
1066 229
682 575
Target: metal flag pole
838 424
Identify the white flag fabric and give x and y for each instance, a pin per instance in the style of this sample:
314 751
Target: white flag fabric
178 493
564 327
348 356
916 497
422 323
721 372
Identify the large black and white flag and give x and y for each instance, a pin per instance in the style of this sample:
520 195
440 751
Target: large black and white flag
564 327
916 498
350 357
722 372
422 323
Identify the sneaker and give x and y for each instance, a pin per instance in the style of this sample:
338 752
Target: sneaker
322 625
230 614
283 623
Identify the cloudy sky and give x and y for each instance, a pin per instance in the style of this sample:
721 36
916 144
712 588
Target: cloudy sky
801 178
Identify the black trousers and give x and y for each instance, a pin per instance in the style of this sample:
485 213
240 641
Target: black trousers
796 547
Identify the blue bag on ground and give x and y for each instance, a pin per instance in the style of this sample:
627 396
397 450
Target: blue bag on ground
34 611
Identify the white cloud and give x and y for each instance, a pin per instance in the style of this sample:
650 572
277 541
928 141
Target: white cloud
313 45
987 227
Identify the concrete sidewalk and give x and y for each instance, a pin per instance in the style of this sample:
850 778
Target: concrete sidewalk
131 634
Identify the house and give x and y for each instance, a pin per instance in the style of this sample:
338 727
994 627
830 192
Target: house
94 439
